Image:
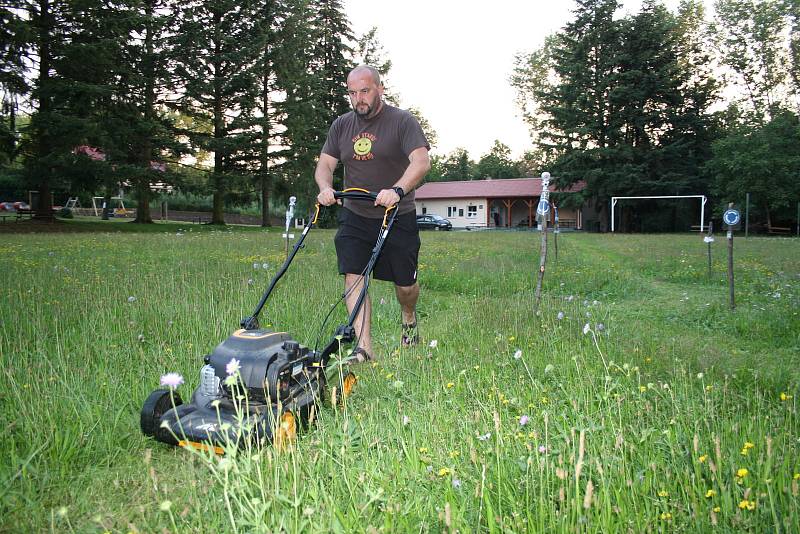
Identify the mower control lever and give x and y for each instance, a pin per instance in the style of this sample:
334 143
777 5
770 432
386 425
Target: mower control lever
249 323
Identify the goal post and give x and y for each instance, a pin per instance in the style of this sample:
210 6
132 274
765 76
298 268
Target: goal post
702 198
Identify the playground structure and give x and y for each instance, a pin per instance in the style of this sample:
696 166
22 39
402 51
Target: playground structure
118 210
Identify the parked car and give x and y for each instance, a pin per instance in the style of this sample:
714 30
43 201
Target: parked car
433 222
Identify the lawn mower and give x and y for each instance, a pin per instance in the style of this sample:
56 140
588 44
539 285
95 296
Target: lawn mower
260 386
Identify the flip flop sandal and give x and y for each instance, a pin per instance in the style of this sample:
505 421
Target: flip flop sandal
410 335
359 355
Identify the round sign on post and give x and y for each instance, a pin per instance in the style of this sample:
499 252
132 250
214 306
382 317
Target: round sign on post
731 217
543 208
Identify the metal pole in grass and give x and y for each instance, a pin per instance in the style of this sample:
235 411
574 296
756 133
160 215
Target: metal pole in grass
731 218
555 230
542 213
709 238
289 215
747 215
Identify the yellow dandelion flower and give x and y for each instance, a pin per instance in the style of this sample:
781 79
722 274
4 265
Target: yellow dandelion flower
751 505
717 509
642 389
389 375
455 454
663 493
450 385
423 450
666 516
711 493
796 476
785 396
443 472
748 445
703 458
744 452
543 400
743 504
709 387
505 401
741 473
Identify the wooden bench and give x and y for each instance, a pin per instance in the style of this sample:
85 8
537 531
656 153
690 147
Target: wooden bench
22 212
781 230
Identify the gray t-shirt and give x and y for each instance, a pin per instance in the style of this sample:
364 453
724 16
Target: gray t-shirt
375 152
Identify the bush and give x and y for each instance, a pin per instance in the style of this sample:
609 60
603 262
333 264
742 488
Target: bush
65 213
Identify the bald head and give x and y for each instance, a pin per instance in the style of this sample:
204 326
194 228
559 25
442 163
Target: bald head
366 70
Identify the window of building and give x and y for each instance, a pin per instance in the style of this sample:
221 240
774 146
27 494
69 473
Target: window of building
472 212
424 210
451 211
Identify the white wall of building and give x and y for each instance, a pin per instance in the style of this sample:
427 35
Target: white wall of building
458 212
461 212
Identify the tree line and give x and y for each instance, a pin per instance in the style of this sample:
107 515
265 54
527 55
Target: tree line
233 99
633 105
229 97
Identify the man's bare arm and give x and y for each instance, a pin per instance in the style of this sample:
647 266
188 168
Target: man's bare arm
323 175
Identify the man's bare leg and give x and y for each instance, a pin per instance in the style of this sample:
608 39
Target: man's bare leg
407 296
352 286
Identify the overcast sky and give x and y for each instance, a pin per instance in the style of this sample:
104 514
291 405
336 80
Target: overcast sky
452 59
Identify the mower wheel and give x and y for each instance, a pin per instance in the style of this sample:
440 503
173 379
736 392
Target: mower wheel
342 390
286 431
157 404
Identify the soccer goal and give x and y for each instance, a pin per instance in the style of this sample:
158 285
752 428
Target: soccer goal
702 198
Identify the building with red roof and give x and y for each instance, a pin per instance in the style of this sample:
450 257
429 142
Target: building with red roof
492 203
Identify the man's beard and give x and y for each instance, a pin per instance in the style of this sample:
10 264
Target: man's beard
365 113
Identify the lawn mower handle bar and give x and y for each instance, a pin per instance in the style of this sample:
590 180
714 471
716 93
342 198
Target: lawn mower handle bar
251 323
355 195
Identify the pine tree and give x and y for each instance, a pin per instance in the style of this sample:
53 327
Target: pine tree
13 42
283 34
76 54
315 95
623 103
144 135
215 57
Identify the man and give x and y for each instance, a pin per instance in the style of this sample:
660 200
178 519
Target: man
383 149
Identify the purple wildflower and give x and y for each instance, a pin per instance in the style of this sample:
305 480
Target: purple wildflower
233 367
171 380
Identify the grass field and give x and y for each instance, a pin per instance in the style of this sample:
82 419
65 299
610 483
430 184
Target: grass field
637 401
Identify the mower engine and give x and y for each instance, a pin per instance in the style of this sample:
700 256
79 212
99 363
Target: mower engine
277 386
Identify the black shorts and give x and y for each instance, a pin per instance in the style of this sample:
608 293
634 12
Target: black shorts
357 236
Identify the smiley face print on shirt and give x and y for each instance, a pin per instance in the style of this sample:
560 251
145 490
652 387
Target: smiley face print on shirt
362 146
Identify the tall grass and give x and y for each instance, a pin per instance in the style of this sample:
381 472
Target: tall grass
635 401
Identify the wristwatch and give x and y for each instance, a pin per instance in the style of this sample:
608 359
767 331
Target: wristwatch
399 191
